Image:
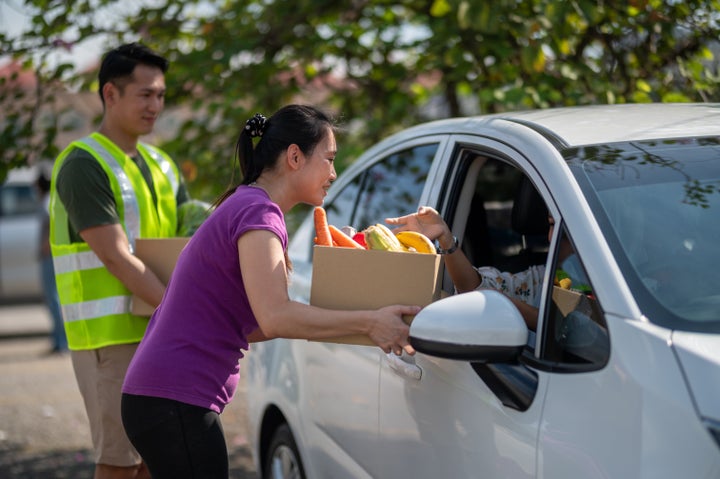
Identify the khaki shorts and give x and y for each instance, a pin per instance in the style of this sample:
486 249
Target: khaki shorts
100 374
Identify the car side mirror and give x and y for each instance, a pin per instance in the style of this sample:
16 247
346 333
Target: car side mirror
480 326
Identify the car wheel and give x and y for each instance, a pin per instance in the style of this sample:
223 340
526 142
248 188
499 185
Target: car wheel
283 458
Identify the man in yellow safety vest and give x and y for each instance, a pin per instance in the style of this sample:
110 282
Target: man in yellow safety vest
107 190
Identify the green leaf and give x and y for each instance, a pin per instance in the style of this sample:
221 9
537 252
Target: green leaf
676 97
440 8
643 86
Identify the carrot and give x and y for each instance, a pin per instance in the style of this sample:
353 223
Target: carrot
342 239
321 227
315 241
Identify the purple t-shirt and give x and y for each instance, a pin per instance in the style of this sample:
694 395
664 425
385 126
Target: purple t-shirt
193 342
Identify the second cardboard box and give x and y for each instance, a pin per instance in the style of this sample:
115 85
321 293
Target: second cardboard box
160 255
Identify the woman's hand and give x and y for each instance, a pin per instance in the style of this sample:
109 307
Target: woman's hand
390 332
426 221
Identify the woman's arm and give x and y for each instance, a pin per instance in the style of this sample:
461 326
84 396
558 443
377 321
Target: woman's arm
265 277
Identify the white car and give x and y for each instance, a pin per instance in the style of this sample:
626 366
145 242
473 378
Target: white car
19 237
621 378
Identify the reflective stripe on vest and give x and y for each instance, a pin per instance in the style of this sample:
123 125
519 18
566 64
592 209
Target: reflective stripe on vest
127 193
96 308
165 166
76 262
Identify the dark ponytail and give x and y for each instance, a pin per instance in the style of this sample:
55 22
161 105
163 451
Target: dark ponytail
304 126
255 127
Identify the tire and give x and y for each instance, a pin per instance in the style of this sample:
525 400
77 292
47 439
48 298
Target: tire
283 458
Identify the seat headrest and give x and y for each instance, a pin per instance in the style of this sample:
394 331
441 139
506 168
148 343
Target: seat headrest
529 213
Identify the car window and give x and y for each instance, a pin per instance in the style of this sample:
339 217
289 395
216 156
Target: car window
497 183
507 228
390 187
17 200
657 204
575 332
500 231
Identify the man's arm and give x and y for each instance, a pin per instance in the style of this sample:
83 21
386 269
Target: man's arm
463 275
110 244
429 222
529 313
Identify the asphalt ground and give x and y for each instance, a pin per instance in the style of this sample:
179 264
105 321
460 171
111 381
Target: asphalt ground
44 432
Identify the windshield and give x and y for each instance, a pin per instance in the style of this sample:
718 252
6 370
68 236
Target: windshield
660 205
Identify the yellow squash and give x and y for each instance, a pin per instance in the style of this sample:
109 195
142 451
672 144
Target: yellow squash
380 237
415 241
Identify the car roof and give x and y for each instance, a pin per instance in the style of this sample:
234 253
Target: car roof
28 174
21 176
588 125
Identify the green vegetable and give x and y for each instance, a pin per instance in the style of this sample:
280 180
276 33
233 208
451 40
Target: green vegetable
191 215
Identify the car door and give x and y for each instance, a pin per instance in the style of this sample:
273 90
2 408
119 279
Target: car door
439 417
617 402
462 419
342 380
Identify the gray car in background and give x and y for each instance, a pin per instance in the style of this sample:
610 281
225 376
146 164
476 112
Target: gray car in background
19 230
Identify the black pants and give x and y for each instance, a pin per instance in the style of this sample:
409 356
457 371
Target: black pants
176 440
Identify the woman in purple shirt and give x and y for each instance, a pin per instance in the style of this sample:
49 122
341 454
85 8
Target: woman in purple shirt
229 289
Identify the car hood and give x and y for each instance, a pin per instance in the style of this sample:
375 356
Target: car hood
699 356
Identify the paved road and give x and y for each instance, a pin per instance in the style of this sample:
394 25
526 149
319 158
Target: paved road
43 427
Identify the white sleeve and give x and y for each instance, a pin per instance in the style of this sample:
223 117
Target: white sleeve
525 285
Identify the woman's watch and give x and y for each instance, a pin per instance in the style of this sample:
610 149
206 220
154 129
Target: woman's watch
450 250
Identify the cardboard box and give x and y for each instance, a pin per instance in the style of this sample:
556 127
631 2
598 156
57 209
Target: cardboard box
568 300
351 279
160 255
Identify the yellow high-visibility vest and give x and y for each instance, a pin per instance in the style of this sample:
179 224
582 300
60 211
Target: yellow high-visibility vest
95 304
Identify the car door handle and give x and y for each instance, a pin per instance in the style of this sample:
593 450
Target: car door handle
402 367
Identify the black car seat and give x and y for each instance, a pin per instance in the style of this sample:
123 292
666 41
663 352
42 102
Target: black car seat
476 244
529 218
